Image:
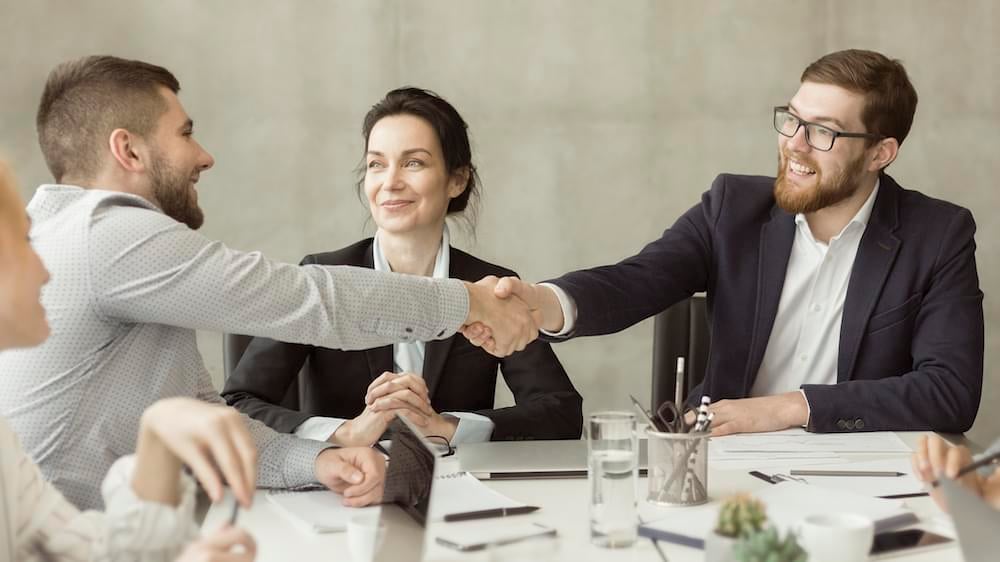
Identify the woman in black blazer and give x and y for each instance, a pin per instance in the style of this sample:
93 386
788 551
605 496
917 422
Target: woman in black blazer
418 170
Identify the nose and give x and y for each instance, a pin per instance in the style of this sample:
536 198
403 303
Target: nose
393 178
205 160
797 142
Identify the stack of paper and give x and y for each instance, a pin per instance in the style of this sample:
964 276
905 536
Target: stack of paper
796 447
787 504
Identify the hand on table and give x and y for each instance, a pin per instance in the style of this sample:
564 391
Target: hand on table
407 393
765 413
934 458
357 473
211 439
227 544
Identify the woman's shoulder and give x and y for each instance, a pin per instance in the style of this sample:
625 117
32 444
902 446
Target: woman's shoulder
354 254
468 267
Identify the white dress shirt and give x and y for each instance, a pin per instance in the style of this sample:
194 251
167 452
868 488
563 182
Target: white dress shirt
805 340
408 357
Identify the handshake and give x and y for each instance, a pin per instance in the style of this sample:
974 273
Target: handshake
506 314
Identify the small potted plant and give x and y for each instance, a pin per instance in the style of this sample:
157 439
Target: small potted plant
740 516
768 546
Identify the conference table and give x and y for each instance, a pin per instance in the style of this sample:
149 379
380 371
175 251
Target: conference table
564 506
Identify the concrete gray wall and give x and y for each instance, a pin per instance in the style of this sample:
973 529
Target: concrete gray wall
595 123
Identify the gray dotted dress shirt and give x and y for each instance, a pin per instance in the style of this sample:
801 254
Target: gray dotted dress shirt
129 288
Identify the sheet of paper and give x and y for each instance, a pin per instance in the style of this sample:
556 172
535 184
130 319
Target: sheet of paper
461 492
799 441
876 486
319 511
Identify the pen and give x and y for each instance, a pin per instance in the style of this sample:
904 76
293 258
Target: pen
645 415
486 513
236 511
797 472
679 385
987 460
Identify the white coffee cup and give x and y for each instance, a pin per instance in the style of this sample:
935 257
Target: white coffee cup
836 537
364 536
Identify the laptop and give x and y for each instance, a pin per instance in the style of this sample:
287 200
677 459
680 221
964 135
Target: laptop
563 458
407 497
976 522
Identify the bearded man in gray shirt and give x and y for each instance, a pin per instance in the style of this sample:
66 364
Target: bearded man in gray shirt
132 280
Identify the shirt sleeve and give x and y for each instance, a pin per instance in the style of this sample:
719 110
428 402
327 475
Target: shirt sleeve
284 460
568 310
472 428
147 267
131 529
318 427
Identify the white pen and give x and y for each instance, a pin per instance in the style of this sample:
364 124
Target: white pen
679 385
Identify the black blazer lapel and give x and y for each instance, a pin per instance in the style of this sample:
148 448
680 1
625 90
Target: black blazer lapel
379 358
435 356
776 238
436 352
876 254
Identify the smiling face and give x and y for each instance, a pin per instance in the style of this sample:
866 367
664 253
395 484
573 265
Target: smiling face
406 181
176 162
22 275
808 179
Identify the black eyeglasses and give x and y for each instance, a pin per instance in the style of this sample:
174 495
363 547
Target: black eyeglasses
817 136
442 447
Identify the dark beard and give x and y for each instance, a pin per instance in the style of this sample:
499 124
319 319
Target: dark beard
827 193
172 193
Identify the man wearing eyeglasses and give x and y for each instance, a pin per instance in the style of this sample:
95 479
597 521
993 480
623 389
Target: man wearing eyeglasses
840 301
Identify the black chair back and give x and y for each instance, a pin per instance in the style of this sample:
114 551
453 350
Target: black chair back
233 347
680 331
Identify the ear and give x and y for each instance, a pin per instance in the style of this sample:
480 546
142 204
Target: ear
458 182
128 150
883 154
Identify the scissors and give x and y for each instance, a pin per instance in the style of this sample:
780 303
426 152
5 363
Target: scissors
672 418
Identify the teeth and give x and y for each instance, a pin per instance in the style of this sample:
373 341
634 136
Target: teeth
800 169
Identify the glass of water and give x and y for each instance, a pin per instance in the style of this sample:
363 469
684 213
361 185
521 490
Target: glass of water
612 474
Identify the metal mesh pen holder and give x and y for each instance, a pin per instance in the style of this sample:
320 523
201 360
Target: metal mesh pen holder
678 468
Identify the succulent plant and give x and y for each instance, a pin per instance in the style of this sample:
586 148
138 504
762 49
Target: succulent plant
768 546
739 516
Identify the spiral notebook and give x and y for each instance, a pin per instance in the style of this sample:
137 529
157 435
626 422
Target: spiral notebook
321 511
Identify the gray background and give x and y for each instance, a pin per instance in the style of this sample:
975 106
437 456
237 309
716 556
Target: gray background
595 124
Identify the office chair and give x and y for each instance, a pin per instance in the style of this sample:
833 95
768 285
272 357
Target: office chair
683 330
233 347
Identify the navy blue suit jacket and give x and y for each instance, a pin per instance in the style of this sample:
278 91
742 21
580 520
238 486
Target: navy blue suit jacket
911 340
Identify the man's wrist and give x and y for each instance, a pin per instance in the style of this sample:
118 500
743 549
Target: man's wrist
797 412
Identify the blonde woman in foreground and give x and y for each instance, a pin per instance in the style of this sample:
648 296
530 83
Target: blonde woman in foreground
150 502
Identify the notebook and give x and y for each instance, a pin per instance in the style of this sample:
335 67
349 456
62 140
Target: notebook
787 503
321 511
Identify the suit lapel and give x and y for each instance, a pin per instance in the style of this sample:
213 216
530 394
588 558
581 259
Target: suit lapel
876 254
776 238
436 352
435 355
379 358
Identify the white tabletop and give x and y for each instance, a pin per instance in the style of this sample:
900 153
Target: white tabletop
564 506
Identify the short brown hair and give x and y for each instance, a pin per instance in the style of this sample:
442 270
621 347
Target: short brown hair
890 98
85 99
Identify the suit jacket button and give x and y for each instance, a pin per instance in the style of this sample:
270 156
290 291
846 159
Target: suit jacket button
841 424
850 424
859 423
